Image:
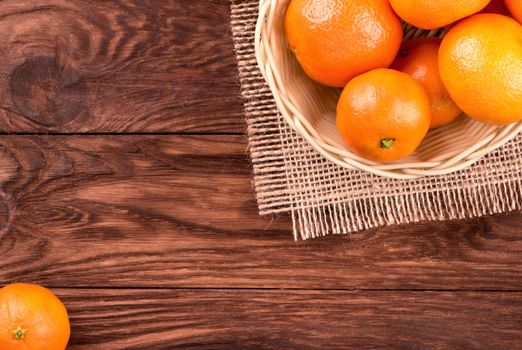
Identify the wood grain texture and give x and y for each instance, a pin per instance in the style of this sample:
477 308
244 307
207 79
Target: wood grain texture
117 66
249 319
179 211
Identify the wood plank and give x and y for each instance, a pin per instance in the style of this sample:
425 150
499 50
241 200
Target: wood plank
118 66
178 211
251 319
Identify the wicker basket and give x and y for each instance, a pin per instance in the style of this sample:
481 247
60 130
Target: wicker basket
310 109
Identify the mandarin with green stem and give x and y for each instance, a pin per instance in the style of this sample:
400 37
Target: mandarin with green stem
383 115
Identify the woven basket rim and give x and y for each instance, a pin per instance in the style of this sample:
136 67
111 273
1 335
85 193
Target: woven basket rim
494 137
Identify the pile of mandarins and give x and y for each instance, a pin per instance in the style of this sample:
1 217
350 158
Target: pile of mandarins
395 91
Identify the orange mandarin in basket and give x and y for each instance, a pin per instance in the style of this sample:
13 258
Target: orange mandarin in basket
419 59
515 7
336 40
383 115
480 63
433 14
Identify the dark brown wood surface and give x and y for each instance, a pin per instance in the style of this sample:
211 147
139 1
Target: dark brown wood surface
117 66
178 211
290 319
125 186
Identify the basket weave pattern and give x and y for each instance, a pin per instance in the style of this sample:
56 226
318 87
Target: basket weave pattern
309 108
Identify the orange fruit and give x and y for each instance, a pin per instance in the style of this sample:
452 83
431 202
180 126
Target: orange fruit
32 318
515 7
496 6
336 40
480 63
419 59
432 14
383 115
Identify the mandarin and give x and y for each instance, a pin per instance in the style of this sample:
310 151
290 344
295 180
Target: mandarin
32 318
432 14
419 59
480 63
383 115
335 40
515 7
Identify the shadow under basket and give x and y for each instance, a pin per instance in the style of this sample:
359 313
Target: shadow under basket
309 108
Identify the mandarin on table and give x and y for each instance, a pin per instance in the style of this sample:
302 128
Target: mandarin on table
480 63
515 7
383 115
419 59
335 40
32 318
433 14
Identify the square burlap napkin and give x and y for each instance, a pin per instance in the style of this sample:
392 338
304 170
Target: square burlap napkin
289 176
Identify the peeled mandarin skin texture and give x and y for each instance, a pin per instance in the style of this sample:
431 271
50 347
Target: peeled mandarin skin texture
336 40
515 7
35 311
383 108
419 58
433 14
480 63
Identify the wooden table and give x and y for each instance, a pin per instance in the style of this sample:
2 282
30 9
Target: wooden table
126 188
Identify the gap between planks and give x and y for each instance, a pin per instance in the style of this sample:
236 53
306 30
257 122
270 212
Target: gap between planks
179 133
350 290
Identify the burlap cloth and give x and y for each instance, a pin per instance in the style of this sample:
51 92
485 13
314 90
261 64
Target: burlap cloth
289 176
